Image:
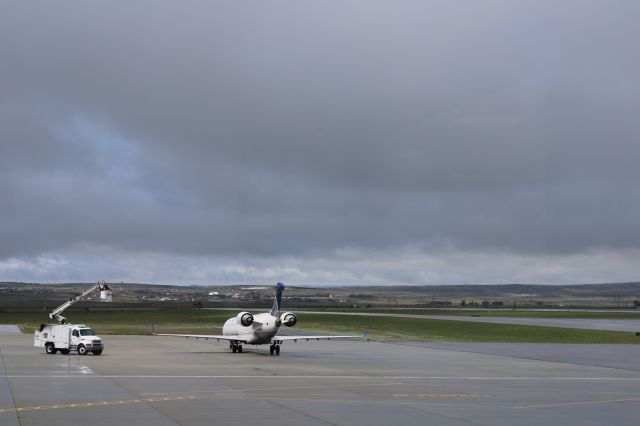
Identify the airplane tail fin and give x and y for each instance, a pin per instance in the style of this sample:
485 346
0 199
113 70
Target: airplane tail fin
276 302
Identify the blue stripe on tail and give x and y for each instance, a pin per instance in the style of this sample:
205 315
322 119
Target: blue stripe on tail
276 301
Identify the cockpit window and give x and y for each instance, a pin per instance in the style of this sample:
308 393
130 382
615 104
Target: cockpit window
87 332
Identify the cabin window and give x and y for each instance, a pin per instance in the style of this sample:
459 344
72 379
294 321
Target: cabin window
75 333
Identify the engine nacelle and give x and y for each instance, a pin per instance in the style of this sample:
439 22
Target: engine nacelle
245 319
288 319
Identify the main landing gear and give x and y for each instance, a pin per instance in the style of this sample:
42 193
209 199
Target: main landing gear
235 347
274 348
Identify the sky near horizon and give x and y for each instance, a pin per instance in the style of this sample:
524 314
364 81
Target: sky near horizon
333 142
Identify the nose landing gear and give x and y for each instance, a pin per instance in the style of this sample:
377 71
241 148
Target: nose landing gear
235 347
274 348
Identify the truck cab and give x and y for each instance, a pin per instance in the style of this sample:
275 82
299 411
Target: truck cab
83 339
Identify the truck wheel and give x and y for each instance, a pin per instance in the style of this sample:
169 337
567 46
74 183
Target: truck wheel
64 351
50 348
97 352
82 350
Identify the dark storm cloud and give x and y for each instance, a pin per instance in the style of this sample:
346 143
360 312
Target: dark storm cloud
283 128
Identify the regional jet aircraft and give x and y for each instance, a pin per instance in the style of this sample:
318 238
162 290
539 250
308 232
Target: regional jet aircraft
259 329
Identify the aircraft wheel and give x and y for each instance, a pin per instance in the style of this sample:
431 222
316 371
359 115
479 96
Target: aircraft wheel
277 349
234 349
240 348
271 350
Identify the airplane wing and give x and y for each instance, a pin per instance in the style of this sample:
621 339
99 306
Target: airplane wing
230 337
307 338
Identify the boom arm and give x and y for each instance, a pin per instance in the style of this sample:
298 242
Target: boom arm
105 296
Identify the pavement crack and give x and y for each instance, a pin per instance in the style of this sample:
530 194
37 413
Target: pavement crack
13 401
281 405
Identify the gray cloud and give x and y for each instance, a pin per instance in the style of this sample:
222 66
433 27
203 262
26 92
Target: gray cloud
263 132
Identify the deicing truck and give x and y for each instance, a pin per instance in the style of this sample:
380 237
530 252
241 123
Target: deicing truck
65 337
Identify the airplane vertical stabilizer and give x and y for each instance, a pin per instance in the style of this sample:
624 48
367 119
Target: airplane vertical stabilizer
276 301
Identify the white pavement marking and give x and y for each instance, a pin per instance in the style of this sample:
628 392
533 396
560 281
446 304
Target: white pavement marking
497 378
565 404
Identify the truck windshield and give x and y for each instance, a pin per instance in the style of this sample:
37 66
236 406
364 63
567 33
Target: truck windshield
87 332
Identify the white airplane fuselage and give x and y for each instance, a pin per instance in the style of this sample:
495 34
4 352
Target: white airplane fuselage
265 326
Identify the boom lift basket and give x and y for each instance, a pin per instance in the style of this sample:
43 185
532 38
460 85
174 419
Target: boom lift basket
105 294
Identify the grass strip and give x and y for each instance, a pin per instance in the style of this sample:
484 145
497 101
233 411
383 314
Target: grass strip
203 321
506 313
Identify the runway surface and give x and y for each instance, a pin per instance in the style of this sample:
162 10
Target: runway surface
630 325
145 380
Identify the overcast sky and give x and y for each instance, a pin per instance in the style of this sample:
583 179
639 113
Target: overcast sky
327 142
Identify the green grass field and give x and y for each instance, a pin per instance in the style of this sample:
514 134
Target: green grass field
459 331
508 313
203 321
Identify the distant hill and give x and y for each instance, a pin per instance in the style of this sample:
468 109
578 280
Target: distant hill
45 296
631 289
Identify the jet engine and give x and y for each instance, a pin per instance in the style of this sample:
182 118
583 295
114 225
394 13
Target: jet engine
245 318
288 319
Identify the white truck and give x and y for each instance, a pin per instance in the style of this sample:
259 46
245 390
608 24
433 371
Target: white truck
65 337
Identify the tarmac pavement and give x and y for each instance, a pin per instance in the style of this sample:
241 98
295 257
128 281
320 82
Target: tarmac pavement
147 380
